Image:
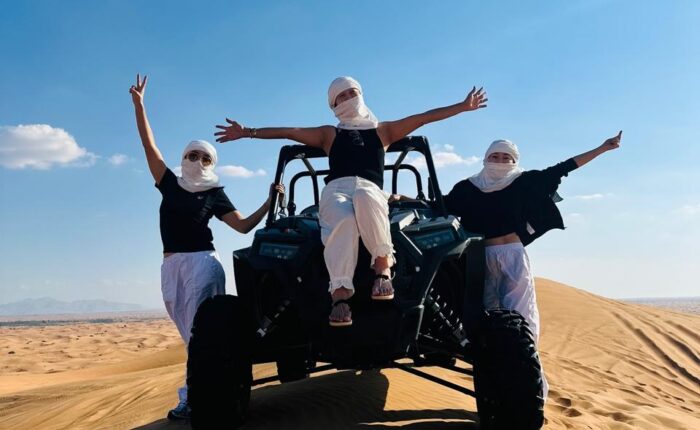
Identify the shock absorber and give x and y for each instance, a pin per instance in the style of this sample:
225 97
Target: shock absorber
444 323
269 322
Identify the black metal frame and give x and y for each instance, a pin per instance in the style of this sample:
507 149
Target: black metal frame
304 153
314 174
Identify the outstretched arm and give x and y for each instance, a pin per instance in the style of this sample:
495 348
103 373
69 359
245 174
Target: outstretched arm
236 221
391 131
318 137
153 156
608 145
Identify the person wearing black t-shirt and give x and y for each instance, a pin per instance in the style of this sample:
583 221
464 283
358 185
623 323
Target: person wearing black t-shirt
511 208
353 204
191 270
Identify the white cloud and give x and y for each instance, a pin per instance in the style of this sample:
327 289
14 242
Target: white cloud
596 196
239 171
40 146
444 158
689 210
117 159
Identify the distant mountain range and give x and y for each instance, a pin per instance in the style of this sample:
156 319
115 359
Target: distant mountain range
50 306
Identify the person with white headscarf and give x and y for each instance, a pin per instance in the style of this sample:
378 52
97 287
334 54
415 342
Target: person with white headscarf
512 207
353 205
191 270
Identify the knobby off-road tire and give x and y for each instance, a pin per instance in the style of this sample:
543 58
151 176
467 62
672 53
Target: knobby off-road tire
294 366
507 373
219 364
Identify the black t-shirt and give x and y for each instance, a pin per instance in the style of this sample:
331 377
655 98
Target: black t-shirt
526 206
184 216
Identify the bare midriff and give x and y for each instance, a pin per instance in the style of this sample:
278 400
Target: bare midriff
167 254
502 240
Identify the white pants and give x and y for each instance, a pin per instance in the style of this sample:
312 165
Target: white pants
187 279
509 284
350 208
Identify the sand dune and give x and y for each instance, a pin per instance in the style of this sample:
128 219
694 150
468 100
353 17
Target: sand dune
610 366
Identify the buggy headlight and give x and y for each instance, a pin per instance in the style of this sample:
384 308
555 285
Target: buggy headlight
434 238
278 250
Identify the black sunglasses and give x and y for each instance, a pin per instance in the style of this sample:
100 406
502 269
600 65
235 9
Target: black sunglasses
194 156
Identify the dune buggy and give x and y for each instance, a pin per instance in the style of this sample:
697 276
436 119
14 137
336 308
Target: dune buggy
436 318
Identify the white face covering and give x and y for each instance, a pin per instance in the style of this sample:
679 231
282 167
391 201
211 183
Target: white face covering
195 176
353 114
497 176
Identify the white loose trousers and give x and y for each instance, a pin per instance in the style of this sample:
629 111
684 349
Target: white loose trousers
350 208
509 284
187 279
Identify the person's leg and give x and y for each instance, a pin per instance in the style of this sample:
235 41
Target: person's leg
372 215
340 237
492 279
519 294
204 277
518 286
174 298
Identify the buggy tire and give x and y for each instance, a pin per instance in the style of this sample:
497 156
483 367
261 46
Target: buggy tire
219 364
294 366
507 373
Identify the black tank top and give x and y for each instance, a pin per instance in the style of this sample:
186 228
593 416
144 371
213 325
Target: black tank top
357 153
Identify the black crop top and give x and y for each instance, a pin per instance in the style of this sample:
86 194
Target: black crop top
357 153
526 207
184 216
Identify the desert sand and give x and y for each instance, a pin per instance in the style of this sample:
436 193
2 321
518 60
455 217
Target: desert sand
610 366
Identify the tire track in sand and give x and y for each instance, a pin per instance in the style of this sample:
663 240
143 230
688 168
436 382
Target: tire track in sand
658 352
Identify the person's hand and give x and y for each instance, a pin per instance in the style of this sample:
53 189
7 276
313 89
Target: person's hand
279 187
139 90
612 143
230 132
475 99
280 190
394 198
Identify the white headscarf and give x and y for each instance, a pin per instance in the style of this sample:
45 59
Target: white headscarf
195 176
353 114
497 176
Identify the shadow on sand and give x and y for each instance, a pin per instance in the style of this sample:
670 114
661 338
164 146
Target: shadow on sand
343 400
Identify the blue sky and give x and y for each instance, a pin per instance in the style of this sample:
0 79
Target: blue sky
79 213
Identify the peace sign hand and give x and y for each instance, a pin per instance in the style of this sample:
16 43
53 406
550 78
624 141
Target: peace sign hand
475 99
231 132
138 91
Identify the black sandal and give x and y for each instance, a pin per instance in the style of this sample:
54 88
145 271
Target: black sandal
334 323
383 296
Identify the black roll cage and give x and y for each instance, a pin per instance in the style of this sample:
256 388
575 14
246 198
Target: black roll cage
304 153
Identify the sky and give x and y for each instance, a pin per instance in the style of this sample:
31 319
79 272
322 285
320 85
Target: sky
79 212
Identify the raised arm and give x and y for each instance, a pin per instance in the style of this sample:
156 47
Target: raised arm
608 145
391 131
236 221
318 137
153 156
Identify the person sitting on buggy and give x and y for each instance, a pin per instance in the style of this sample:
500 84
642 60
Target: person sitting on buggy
352 204
191 269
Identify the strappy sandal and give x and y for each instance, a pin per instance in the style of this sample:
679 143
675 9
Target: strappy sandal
383 279
335 323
